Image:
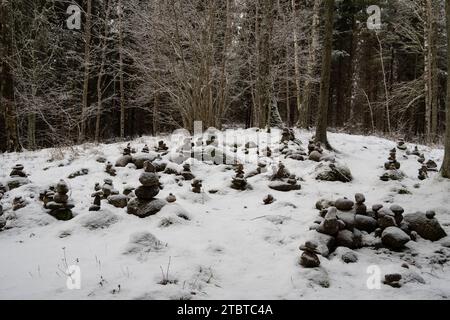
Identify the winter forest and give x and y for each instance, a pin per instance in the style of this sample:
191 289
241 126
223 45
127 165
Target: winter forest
232 149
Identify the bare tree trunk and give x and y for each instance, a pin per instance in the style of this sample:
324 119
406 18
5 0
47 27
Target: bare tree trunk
386 90
446 165
87 61
322 117
121 80
101 73
304 121
301 109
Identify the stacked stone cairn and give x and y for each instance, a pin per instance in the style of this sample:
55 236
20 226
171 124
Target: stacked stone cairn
146 149
309 258
432 166
269 199
392 167
60 207
401 145
162 147
97 203
171 198
145 204
197 185
18 177
126 157
344 223
109 169
108 188
19 203
239 182
261 168
187 173
423 173
283 181
315 151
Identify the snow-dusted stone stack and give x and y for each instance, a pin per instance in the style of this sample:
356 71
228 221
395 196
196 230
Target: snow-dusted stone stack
17 178
309 258
162 147
197 185
96 205
283 181
108 188
315 151
109 169
146 149
186 173
392 167
60 207
19 203
423 173
401 145
145 204
239 182
126 157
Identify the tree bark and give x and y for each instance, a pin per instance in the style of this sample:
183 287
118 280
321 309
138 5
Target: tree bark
322 117
446 165
87 61
301 109
121 78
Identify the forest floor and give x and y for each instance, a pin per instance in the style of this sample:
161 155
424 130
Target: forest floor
232 247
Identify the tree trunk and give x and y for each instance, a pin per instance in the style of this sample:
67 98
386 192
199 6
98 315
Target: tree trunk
301 109
322 117
446 165
304 121
121 80
87 60
430 71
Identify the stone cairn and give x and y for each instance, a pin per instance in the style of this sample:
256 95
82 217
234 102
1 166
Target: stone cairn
315 151
423 173
197 185
17 171
60 207
145 204
186 173
269 199
309 258
127 150
146 149
18 177
239 182
162 147
97 203
126 157
262 168
109 169
19 203
171 198
283 181
392 166
401 145
343 222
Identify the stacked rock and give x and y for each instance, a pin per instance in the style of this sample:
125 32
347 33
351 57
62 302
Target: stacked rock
401 145
423 173
416 152
145 204
186 173
239 182
19 203
96 205
2 190
393 168
18 177
283 181
60 207
262 168
97 187
162 147
197 186
309 258
126 157
171 198
109 169
432 166
47 196
360 207
17 171
421 159
108 189
315 151
146 149
269 199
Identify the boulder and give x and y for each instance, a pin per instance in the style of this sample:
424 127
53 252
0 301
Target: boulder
344 204
429 229
394 238
330 225
118 201
143 209
284 186
16 182
323 204
140 159
349 239
123 161
365 223
334 172
348 218
146 193
325 244
315 156
149 179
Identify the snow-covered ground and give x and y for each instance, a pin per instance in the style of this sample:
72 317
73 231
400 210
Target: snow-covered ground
233 246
